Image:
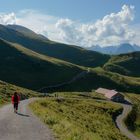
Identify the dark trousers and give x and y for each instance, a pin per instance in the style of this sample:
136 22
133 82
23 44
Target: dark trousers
16 106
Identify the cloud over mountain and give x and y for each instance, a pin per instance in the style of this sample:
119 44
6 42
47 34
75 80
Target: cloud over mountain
112 29
8 18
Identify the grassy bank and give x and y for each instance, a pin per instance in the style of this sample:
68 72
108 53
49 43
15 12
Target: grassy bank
74 117
134 115
7 90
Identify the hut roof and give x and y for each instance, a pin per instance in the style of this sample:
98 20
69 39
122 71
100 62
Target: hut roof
106 92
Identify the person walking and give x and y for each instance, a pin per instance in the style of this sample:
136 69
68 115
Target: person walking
15 101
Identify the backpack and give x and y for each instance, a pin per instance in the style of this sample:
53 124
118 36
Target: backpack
15 99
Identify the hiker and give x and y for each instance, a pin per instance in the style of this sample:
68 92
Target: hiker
15 101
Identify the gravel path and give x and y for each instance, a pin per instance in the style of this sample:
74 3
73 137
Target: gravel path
26 126
22 126
120 124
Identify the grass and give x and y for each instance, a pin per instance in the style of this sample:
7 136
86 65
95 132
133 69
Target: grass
7 90
126 64
98 77
75 117
79 95
70 53
133 119
25 68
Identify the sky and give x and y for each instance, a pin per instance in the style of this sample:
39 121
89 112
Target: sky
84 23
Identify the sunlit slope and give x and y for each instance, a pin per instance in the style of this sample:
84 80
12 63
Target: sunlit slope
35 42
75 117
100 78
126 64
26 68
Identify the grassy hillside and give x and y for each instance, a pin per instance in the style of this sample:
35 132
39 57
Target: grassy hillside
26 68
29 69
27 32
100 78
7 90
65 52
126 64
134 125
79 118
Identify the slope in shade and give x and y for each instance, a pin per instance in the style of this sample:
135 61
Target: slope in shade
70 53
31 70
126 64
99 78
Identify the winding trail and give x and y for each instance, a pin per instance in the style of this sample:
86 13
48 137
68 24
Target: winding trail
26 126
121 125
76 77
127 108
22 126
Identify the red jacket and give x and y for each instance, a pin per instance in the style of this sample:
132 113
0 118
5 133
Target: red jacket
18 99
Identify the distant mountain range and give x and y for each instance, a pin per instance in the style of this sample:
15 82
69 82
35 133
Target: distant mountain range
114 50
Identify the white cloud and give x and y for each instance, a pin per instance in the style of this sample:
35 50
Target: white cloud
112 29
8 18
136 39
38 22
69 31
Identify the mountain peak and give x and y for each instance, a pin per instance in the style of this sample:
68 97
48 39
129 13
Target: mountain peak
26 31
120 49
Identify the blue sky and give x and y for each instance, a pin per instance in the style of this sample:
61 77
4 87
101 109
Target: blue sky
80 22
83 10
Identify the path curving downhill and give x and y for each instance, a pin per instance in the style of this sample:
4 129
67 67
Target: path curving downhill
22 126
26 126
120 122
76 77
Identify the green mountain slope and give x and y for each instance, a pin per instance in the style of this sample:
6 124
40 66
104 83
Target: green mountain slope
26 68
29 69
65 52
27 32
100 78
126 64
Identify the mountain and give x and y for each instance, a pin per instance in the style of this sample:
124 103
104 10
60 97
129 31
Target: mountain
25 68
137 48
115 50
126 64
27 32
104 50
70 53
99 77
26 60
125 48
